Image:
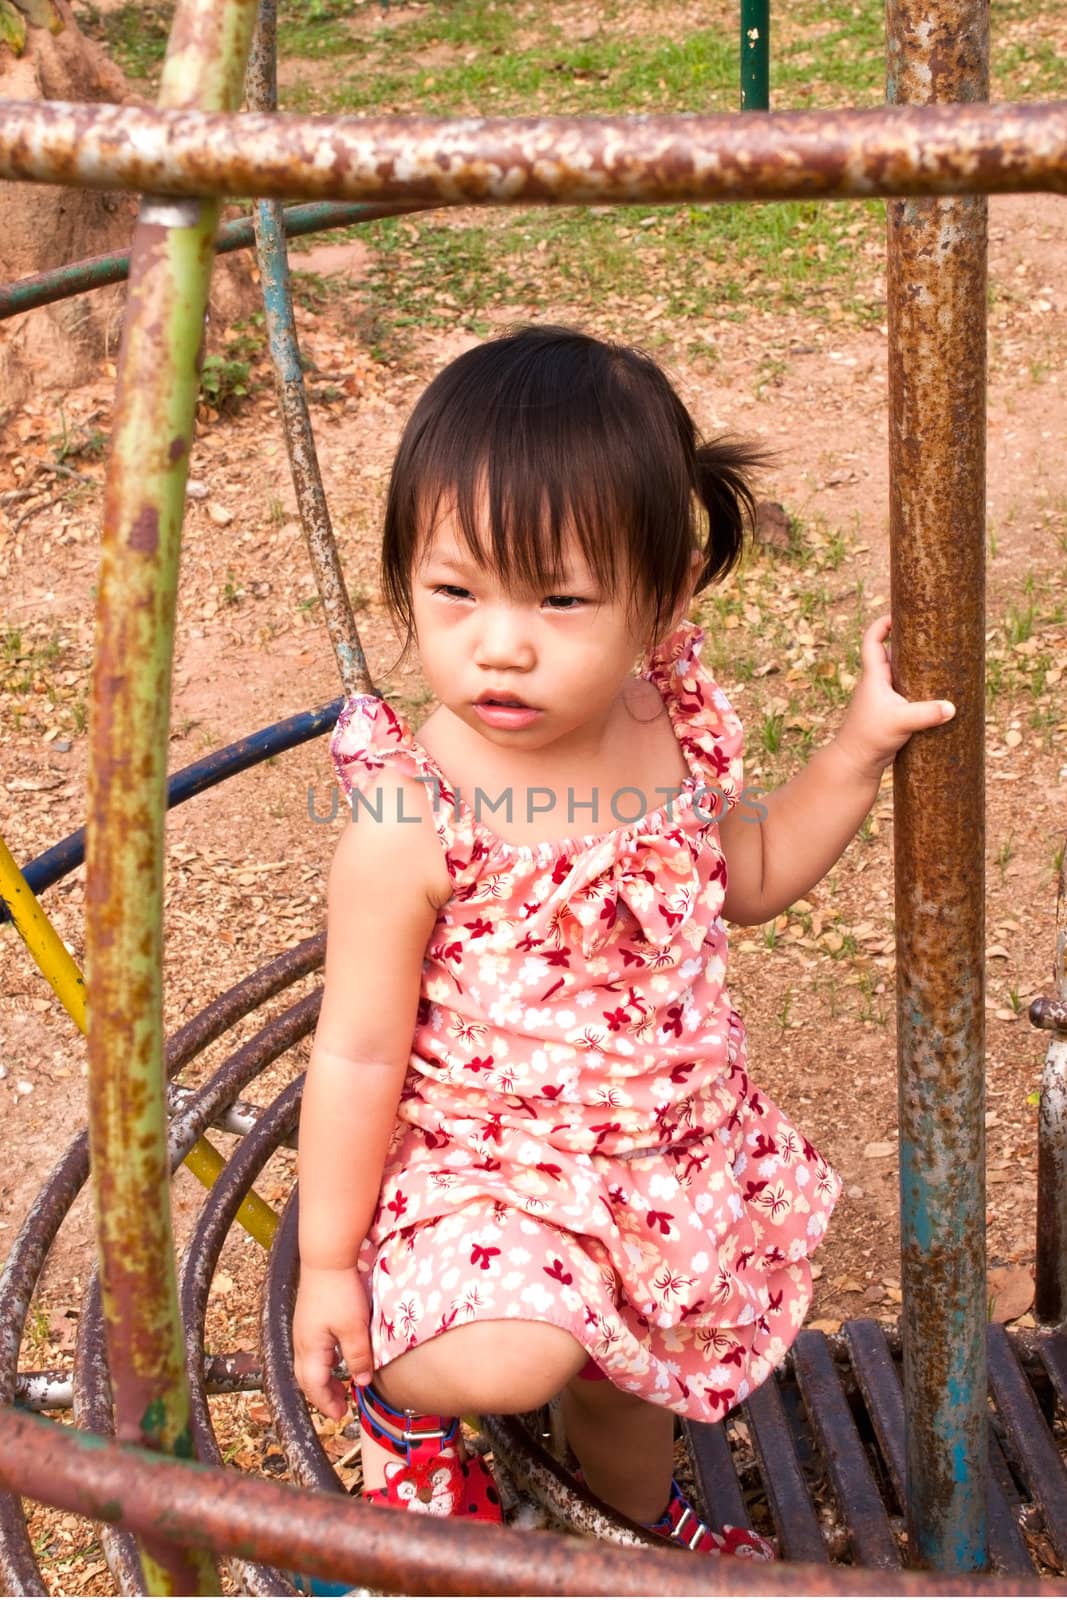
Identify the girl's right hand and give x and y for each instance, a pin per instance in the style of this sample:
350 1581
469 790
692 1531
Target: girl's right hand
331 1312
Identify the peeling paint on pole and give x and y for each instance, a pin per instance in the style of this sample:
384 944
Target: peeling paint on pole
937 373
144 499
784 155
273 259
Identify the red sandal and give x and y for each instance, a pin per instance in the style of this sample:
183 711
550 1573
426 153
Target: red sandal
428 1473
681 1525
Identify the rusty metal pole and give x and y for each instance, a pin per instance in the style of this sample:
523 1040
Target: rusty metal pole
938 50
155 404
1050 1011
261 87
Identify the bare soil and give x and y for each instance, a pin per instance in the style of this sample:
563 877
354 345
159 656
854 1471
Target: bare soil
246 862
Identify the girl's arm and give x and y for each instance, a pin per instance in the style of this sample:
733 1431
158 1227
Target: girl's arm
386 882
811 819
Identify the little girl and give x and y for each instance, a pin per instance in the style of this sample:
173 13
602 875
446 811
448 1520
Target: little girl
532 1162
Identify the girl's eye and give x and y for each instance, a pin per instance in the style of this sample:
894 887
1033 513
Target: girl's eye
563 602
452 591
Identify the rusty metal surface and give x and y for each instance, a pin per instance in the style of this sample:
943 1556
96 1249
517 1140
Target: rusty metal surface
713 1464
158 381
242 999
936 284
339 1538
199 1262
538 1476
273 260
879 1383
1052 1350
1027 1438
652 159
19 1572
1050 1011
51 1388
795 1522
873 1542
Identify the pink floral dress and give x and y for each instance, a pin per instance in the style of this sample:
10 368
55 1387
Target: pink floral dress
578 1141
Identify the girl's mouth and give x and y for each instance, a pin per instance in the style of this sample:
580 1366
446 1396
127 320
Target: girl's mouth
505 712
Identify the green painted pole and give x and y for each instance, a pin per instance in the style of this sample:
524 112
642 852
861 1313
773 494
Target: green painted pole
755 55
158 383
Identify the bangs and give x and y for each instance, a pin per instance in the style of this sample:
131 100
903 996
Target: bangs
540 441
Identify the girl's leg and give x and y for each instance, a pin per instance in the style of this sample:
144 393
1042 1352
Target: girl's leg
624 1444
504 1365
497 1366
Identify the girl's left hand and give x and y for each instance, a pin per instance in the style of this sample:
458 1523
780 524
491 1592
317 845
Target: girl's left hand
879 720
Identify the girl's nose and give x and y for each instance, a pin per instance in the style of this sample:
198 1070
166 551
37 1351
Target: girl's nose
504 640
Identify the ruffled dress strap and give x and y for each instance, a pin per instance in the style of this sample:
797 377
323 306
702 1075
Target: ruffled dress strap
706 726
370 738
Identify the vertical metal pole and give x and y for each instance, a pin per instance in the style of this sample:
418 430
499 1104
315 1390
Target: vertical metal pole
938 51
261 87
755 55
1050 1275
155 403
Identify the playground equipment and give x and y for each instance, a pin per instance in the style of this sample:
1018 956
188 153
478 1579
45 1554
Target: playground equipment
929 1454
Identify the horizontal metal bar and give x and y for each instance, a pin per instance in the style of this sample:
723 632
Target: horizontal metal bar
331 1536
95 272
53 1389
891 150
239 1118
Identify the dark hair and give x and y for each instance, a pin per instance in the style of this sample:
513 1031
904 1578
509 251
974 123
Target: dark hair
545 432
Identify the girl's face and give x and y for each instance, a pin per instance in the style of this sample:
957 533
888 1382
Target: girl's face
525 670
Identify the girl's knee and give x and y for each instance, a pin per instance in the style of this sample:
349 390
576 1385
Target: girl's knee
502 1365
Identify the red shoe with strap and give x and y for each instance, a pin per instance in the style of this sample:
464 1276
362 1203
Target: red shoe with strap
681 1525
429 1472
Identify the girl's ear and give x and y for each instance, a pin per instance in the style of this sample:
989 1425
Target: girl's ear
685 599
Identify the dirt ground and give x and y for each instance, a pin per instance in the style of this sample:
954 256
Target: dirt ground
246 862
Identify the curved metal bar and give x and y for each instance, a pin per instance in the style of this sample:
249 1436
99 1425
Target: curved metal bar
93 1414
261 89
92 1382
652 160
96 272
19 1571
55 862
197 1269
546 1483
211 1023
18 1567
308 1461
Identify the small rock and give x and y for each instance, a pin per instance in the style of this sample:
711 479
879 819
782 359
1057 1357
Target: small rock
772 525
854 1191
1011 1292
219 515
196 490
63 745
879 1149
23 1086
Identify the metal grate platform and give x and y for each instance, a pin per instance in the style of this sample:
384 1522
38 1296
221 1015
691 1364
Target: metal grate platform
824 1444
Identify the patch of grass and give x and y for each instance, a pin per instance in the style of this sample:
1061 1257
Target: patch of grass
224 383
134 36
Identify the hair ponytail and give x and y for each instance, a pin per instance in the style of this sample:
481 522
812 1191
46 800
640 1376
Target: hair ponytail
723 488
